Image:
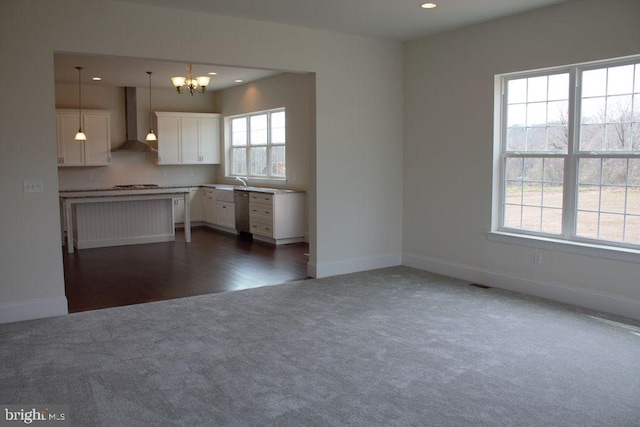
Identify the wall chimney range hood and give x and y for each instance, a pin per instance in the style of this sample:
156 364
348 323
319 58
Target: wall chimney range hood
131 142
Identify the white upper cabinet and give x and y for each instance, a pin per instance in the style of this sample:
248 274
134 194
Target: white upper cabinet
188 138
96 150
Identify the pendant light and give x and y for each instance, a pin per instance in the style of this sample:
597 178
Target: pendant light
150 136
80 136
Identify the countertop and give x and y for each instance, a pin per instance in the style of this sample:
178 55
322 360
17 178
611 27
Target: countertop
164 189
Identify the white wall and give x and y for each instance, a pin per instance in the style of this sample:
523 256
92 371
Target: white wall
132 167
356 182
449 96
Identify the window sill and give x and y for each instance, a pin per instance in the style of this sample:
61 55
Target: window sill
575 248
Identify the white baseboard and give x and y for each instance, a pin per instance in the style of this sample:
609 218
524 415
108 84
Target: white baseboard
33 309
594 300
354 265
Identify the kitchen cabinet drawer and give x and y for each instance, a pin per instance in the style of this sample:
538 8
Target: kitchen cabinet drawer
261 198
262 229
262 211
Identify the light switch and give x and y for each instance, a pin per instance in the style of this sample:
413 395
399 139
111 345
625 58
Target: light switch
33 186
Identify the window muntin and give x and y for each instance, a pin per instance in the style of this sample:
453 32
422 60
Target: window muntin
257 144
587 190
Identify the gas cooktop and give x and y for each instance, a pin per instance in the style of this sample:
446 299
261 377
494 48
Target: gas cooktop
135 186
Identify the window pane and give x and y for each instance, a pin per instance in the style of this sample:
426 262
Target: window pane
633 201
553 171
258 161
593 110
620 80
258 126
592 137
278 163
513 216
632 229
531 218
587 225
536 139
594 83
619 109
613 199
589 171
557 139
552 221
614 171
633 177
537 89
513 168
239 131
559 87
516 139
589 198
611 227
517 90
517 115
537 114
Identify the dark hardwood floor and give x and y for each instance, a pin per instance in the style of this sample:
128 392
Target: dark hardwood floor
214 261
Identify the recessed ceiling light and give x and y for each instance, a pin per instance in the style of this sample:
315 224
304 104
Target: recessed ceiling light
428 5
213 73
238 81
96 79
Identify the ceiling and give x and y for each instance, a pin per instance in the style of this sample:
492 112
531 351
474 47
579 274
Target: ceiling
122 72
400 20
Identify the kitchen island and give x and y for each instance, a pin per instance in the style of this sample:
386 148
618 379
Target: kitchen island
114 217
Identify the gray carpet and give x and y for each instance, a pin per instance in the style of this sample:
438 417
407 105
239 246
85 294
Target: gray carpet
391 347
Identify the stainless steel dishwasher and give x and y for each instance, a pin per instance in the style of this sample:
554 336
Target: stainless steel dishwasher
241 200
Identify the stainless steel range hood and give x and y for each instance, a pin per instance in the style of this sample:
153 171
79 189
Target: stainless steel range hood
131 142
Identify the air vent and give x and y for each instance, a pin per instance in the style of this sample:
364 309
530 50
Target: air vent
478 285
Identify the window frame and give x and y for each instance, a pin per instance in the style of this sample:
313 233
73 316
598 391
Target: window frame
268 146
568 239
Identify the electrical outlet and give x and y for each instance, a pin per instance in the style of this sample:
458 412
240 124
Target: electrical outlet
537 257
33 186
90 177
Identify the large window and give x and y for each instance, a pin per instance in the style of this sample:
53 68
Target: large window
570 154
257 144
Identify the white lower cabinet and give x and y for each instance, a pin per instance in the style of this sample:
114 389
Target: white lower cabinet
226 214
195 204
277 218
178 211
195 207
209 205
219 208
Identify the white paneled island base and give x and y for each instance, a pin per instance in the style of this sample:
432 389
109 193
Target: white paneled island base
114 218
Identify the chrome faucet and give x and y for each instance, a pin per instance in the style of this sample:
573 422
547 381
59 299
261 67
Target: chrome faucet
242 180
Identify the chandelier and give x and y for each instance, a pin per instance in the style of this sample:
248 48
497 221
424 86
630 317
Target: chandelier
198 84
